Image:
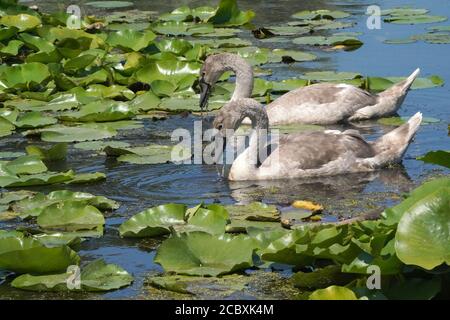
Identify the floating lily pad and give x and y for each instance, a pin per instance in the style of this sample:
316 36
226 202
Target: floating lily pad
160 220
85 132
25 75
173 71
21 21
36 179
333 293
81 178
34 119
434 38
131 39
422 236
96 276
23 165
228 14
320 14
154 221
414 19
26 255
100 111
12 48
439 157
255 211
110 4
151 154
32 205
199 253
70 216
333 40
56 152
394 214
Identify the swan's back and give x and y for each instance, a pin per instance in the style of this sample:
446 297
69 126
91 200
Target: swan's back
313 150
319 103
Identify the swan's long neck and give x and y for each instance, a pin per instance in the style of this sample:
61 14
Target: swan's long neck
244 76
257 149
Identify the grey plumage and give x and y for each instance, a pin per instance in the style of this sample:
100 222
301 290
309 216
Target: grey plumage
313 153
322 103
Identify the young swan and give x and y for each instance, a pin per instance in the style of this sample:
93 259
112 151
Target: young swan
308 154
321 103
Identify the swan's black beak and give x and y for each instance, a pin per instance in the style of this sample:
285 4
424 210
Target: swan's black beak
205 90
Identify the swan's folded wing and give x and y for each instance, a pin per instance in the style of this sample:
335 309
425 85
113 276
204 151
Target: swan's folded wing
317 149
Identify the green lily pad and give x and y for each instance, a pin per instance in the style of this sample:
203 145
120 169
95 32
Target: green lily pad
10 154
228 14
23 165
34 119
70 216
394 214
109 4
403 11
25 75
439 157
36 179
414 19
130 39
255 211
434 38
26 255
37 43
32 205
81 178
321 278
320 14
199 253
288 84
96 276
422 236
56 152
100 145
7 33
333 293
151 154
12 48
154 221
86 132
21 21
6 127
333 40
173 71
399 41
100 111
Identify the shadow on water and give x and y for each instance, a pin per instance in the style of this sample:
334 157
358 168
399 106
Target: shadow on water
141 186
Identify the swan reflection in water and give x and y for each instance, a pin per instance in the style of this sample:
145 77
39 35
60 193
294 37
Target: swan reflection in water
343 193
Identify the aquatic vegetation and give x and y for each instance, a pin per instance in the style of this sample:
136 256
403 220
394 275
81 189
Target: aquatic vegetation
439 157
24 254
78 89
96 276
30 170
410 16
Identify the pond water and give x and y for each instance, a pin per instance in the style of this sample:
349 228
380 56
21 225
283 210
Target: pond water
141 186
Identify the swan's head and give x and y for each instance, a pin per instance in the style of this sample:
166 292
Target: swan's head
213 67
231 115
